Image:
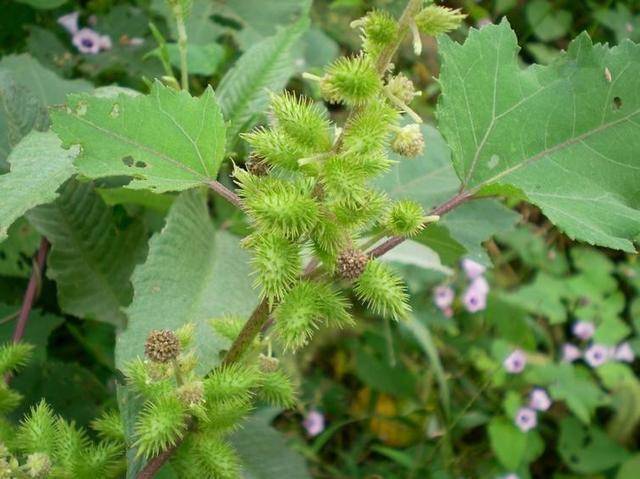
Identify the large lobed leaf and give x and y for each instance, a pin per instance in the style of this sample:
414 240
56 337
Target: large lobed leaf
39 165
165 141
192 274
566 135
91 258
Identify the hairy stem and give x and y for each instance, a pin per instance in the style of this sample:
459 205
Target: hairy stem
157 462
178 13
251 329
32 290
404 26
439 210
226 193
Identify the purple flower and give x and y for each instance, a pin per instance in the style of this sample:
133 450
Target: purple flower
69 22
539 400
515 362
472 269
475 297
623 352
596 355
87 41
314 422
443 297
583 330
570 353
526 419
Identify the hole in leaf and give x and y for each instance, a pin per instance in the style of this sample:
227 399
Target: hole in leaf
128 161
115 111
141 164
617 103
3 255
574 459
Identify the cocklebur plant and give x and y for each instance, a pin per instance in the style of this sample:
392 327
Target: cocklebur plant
44 445
318 217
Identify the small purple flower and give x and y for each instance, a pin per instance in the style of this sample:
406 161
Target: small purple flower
570 353
472 269
623 352
515 362
510 476
526 419
443 297
314 422
475 297
69 22
583 330
596 355
539 400
87 41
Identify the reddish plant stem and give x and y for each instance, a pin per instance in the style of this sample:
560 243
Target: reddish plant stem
226 193
157 462
32 290
438 210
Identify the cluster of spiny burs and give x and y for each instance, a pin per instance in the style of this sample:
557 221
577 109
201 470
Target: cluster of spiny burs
183 407
307 184
45 445
306 187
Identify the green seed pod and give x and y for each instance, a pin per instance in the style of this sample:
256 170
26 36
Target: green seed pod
435 20
160 425
405 218
379 30
353 81
408 141
276 262
382 290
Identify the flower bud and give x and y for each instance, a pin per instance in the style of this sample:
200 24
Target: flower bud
191 394
351 263
38 465
405 218
434 20
402 88
162 346
408 141
378 28
268 364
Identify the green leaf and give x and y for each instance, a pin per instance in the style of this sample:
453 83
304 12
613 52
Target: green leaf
588 450
629 469
91 258
175 286
39 165
543 296
244 90
165 141
44 4
562 134
428 179
264 451
20 112
424 338
48 87
415 254
508 443
547 23
259 22
201 59
17 250
473 223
